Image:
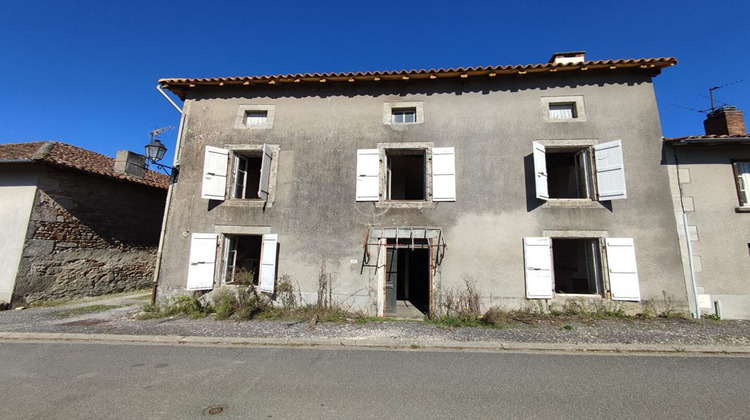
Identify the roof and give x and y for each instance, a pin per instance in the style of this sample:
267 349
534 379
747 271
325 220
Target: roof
180 86
71 157
709 139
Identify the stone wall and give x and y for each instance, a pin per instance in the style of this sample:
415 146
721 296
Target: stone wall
88 235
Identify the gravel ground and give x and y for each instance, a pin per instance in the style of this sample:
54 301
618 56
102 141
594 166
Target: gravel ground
120 319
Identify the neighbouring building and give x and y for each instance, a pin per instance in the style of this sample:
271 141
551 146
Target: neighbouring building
710 179
538 183
76 223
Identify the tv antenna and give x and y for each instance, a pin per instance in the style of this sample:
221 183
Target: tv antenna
711 93
158 131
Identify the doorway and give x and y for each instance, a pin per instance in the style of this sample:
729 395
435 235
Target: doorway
408 281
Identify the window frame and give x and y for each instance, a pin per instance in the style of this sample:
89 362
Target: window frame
737 182
579 110
390 107
383 149
240 122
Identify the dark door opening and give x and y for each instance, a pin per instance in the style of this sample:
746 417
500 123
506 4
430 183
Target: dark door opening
577 266
407 279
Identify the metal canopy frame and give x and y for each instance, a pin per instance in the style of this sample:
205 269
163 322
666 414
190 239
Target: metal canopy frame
433 239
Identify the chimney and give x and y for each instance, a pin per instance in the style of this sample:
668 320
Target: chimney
725 121
572 57
130 163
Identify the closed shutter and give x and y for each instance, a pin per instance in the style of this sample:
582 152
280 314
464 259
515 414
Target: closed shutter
202 261
443 174
265 173
268 263
538 264
610 172
215 165
368 175
540 171
623 274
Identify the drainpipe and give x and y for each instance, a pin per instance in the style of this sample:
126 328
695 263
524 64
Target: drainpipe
693 283
176 164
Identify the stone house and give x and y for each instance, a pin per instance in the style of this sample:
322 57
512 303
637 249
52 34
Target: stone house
536 183
710 180
76 223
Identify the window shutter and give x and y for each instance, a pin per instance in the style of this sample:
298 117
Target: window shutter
202 261
268 263
443 174
215 166
623 275
610 172
265 173
368 175
540 171
538 263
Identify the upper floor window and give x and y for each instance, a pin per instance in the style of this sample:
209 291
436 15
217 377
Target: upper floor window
240 172
403 115
255 117
742 173
563 109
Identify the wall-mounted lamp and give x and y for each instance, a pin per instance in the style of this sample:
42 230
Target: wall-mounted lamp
155 152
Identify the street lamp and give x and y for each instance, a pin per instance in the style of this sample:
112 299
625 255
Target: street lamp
155 152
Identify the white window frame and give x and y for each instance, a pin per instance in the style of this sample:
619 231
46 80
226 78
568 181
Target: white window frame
390 107
741 170
579 110
241 122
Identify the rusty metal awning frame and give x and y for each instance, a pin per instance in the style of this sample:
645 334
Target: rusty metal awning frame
415 238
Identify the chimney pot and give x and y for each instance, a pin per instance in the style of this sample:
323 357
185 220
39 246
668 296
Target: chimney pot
572 57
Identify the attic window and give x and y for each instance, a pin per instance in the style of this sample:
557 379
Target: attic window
562 111
256 118
404 115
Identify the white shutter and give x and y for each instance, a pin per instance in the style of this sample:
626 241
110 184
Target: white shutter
537 257
268 262
623 275
265 172
368 175
443 174
540 171
202 261
610 172
215 173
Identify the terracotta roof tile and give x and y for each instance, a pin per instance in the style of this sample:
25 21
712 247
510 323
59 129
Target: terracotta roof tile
180 85
707 138
72 157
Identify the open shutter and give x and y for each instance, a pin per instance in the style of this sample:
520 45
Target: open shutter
623 275
268 263
537 257
265 172
202 261
610 172
540 171
215 166
368 175
443 174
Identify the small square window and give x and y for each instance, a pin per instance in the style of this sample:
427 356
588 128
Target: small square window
562 111
403 115
742 173
256 118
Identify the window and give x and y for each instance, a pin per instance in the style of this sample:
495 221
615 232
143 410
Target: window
255 117
569 171
742 174
252 176
557 109
573 265
562 111
246 259
403 115
406 173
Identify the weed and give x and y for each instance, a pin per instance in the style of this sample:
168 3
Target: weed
711 317
180 305
567 327
414 346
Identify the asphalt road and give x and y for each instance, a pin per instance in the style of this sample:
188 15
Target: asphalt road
102 381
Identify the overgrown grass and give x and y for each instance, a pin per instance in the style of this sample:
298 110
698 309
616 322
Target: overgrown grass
180 305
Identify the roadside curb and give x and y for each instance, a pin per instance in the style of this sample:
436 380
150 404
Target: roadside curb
491 346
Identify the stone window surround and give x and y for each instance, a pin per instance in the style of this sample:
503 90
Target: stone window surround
586 203
388 108
577 100
427 202
242 111
252 202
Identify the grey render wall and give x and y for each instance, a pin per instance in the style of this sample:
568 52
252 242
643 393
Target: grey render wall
491 124
88 235
720 235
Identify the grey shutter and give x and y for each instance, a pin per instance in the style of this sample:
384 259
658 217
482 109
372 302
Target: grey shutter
540 171
623 274
537 257
265 173
268 263
443 174
610 171
215 165
368 175
202 261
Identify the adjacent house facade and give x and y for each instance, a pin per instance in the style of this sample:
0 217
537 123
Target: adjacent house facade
75 223
537 183
710 178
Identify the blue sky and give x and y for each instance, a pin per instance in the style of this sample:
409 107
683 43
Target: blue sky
84 72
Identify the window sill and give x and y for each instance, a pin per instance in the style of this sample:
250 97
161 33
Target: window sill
237 202
742 209
572 203
405 204
577 296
